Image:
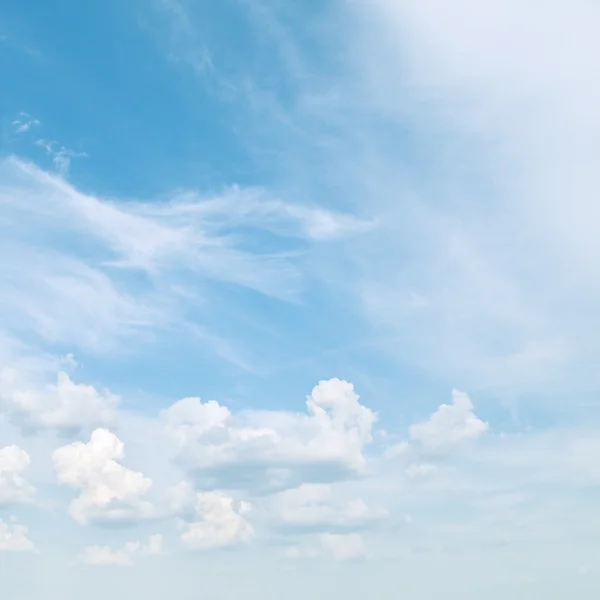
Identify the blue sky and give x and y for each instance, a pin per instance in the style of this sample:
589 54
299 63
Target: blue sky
299 298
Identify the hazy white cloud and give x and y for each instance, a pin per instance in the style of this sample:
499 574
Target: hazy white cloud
338 547
515 100
417 471
401 449
216 520
13 537
63 406
14 489
450 426
122 557
316 506
110 492
343 547
274 448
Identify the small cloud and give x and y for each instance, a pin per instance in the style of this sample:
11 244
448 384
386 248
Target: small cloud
13 487
218 521
315 506
420 471
64 406
400 449
68 361
61 156
102 556
344 547
62 159
450 426
110 492
24 123
338 547
13 537
46 145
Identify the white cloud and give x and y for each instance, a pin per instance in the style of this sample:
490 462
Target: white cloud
418 471
315 506
255 208
332 546
397 450
13 487
122 557
338 547
343 547
217 521
13 537
275 448
61 156
64 406
80 256
450 426
503 111
24 123
110 492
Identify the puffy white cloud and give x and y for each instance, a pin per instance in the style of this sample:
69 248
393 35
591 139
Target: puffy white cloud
110 492
13 537
64 406
13 487
275 448
122 557
217 520
451 425
315 506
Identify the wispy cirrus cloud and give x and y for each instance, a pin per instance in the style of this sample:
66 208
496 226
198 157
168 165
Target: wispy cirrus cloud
479 166
108 270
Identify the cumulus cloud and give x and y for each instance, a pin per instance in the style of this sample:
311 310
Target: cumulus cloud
315 506
215 520
122 557
13 487
64 406
275 448
13 537
450 426
110 492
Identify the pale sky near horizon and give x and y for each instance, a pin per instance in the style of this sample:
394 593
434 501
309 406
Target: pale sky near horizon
299 299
